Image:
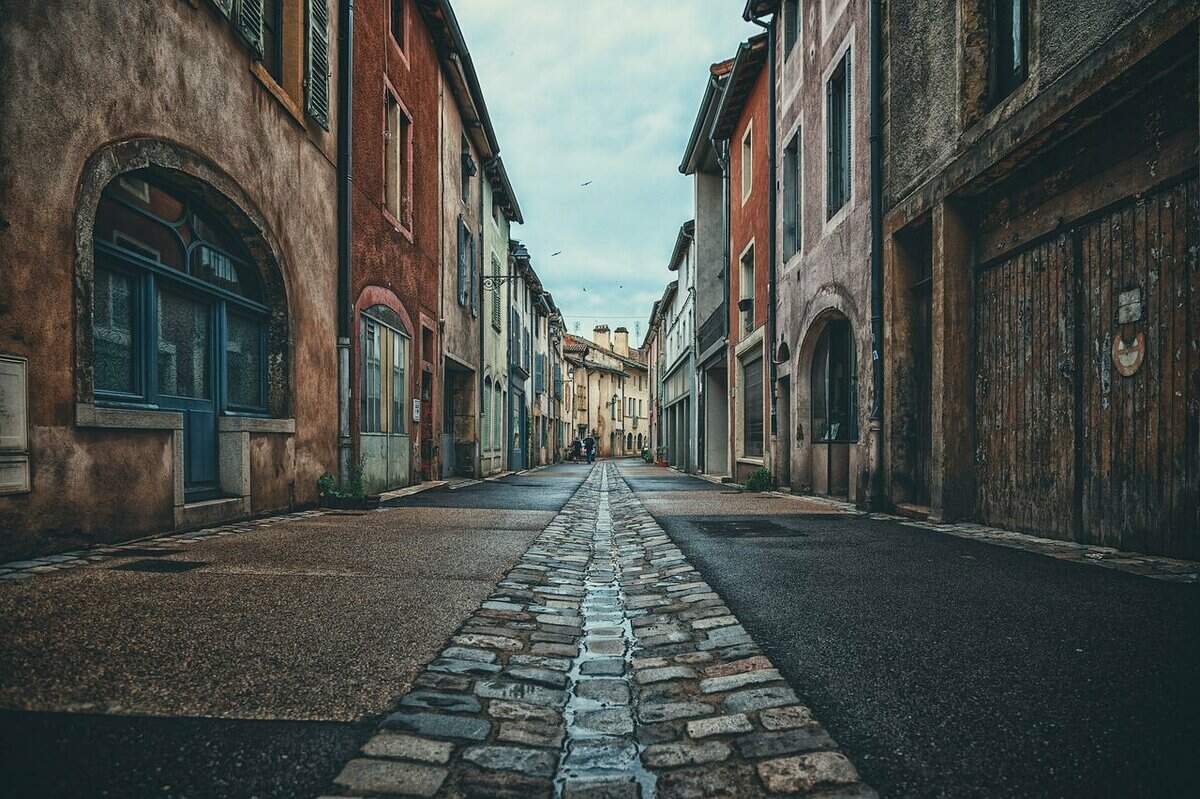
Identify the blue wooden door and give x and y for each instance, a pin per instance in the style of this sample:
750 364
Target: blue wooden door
184 371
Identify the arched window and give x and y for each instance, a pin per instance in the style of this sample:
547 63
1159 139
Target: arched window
179 319
834 385
384 374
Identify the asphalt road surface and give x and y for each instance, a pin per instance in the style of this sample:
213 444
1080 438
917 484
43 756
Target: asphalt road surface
948 667
261 671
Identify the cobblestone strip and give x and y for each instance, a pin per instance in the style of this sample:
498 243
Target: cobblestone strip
714 717
601 667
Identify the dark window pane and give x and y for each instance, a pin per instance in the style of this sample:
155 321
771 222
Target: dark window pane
113 319
398 21
220 269
273 38
752 408
183 340
243 352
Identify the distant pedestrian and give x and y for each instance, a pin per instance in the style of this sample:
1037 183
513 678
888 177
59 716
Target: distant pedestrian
576 449
589 446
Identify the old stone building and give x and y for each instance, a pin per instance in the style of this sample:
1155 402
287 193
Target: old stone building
167 266
612 391
823 246
706 164
1042 370
500 203
467 143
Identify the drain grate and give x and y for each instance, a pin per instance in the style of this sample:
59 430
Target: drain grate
797 526
160 566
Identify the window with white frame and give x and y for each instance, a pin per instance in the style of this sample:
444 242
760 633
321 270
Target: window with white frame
747 161
793 217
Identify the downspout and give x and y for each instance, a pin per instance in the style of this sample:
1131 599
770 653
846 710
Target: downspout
772 202
877 498
726 260
344 185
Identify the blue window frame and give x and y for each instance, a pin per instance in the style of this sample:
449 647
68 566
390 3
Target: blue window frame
151 246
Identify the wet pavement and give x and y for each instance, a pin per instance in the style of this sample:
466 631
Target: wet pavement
950 667
259 669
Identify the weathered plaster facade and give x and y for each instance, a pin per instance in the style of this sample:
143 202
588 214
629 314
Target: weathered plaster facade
1028 216
825 275
68 125
500 213
397 261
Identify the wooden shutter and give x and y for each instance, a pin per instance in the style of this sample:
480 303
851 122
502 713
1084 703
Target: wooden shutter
462 262
474 270
316 62
248 18
225 7
845 120
830 164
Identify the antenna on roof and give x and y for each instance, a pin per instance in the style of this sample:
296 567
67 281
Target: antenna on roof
637 331
576 325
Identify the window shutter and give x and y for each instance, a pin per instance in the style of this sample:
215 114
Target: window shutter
474 267
249 19
225 7
316 63
830 165
846 133
462 263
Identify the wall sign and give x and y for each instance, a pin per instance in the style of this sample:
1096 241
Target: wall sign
1128 355
14 424
416 409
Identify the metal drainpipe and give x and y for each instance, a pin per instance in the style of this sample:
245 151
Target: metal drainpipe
877 497
344 197
482 344
772 202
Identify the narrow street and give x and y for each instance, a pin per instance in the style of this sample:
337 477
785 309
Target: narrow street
546 633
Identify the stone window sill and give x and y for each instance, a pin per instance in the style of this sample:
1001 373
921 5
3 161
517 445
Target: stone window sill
255 424
87 415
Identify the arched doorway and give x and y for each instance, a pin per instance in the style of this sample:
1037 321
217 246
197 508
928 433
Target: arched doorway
182 315
833 404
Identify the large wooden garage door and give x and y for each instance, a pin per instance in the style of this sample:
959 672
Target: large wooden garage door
1140 458
1065 444
1024 397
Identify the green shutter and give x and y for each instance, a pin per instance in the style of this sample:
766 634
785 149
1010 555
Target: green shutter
248 19
316 62
225 7
830 164
846 122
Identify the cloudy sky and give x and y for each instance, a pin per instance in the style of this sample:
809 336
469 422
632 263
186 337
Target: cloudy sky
602 91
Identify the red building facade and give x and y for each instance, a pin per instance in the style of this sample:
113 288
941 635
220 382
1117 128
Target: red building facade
396 243
744 126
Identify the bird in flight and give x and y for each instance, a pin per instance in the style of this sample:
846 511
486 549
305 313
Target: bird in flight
585 184
555 253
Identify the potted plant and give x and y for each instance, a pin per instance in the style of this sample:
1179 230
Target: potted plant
352 497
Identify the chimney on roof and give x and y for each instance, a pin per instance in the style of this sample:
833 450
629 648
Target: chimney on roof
601 337
621 341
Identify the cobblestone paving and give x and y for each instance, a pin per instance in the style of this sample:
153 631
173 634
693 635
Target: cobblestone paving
601 666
